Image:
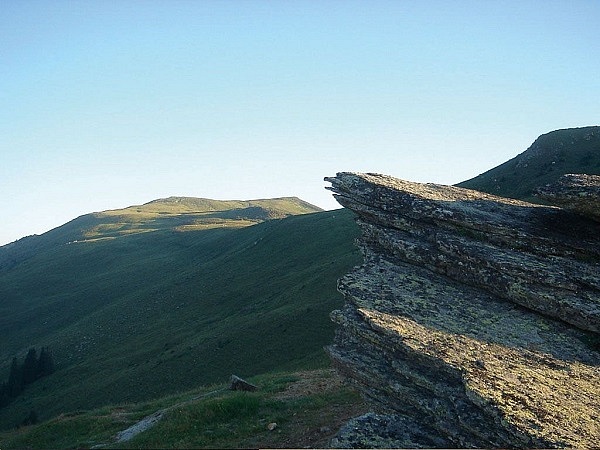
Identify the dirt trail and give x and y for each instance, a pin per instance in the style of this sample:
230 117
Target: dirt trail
149 421
139 427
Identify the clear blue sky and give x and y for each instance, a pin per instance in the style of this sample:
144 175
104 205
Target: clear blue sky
110 103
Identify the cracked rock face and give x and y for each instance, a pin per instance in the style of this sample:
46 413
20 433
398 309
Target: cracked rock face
473 320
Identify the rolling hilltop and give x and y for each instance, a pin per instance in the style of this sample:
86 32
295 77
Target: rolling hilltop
173 213
572 150
148 300
188 214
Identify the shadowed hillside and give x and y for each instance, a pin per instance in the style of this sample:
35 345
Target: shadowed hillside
137 315
573 150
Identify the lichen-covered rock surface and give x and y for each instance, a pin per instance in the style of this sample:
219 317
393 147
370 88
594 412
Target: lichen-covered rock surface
578 192
473 321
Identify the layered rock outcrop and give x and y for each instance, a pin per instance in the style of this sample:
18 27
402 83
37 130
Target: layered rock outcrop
577 192
473 321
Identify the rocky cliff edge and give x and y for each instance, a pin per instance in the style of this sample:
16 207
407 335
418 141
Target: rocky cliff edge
474 319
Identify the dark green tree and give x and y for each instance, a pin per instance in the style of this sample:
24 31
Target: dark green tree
30 367
15 379
31 419
20 376
45 363
4 394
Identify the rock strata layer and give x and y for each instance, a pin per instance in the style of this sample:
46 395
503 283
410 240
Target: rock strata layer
577 192
474 319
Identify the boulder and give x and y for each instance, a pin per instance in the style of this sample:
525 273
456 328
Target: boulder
238 384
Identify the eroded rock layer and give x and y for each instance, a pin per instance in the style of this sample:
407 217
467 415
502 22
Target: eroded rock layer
474 319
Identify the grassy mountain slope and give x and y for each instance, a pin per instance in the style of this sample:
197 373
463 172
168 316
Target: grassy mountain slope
173 213
185 214
138 315
308 408
573 150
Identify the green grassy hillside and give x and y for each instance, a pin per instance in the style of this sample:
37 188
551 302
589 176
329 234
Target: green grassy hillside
308 408
135 315
186 214
573 150
173 213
